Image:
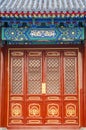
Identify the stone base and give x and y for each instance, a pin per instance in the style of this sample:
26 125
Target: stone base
83 128
3 128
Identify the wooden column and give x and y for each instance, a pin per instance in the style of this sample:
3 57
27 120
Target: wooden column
0 86
84 93
1 83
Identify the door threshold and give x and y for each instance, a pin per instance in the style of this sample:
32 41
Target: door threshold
45 128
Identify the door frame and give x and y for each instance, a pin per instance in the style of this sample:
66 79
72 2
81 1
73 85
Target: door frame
5 82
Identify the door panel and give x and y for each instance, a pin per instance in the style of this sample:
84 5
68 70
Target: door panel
34 88
71 107
53 101
43 87
16 90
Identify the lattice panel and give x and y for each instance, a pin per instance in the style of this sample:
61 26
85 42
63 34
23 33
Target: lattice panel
53 75
17 75
70 75
34 75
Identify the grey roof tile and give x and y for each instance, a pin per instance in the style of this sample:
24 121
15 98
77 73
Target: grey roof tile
42 5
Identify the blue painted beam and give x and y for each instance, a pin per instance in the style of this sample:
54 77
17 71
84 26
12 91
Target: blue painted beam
42 19
43 34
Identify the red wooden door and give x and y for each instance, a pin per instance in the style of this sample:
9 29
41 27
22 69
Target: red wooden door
43 87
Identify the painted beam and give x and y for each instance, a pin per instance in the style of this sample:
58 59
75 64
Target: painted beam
43 34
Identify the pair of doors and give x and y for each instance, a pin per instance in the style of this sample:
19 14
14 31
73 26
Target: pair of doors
43 87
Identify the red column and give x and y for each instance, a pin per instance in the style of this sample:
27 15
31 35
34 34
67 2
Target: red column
0 86
84 92
1 82
3 86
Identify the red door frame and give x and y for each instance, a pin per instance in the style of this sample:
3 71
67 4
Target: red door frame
4 79
84 90
1 85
